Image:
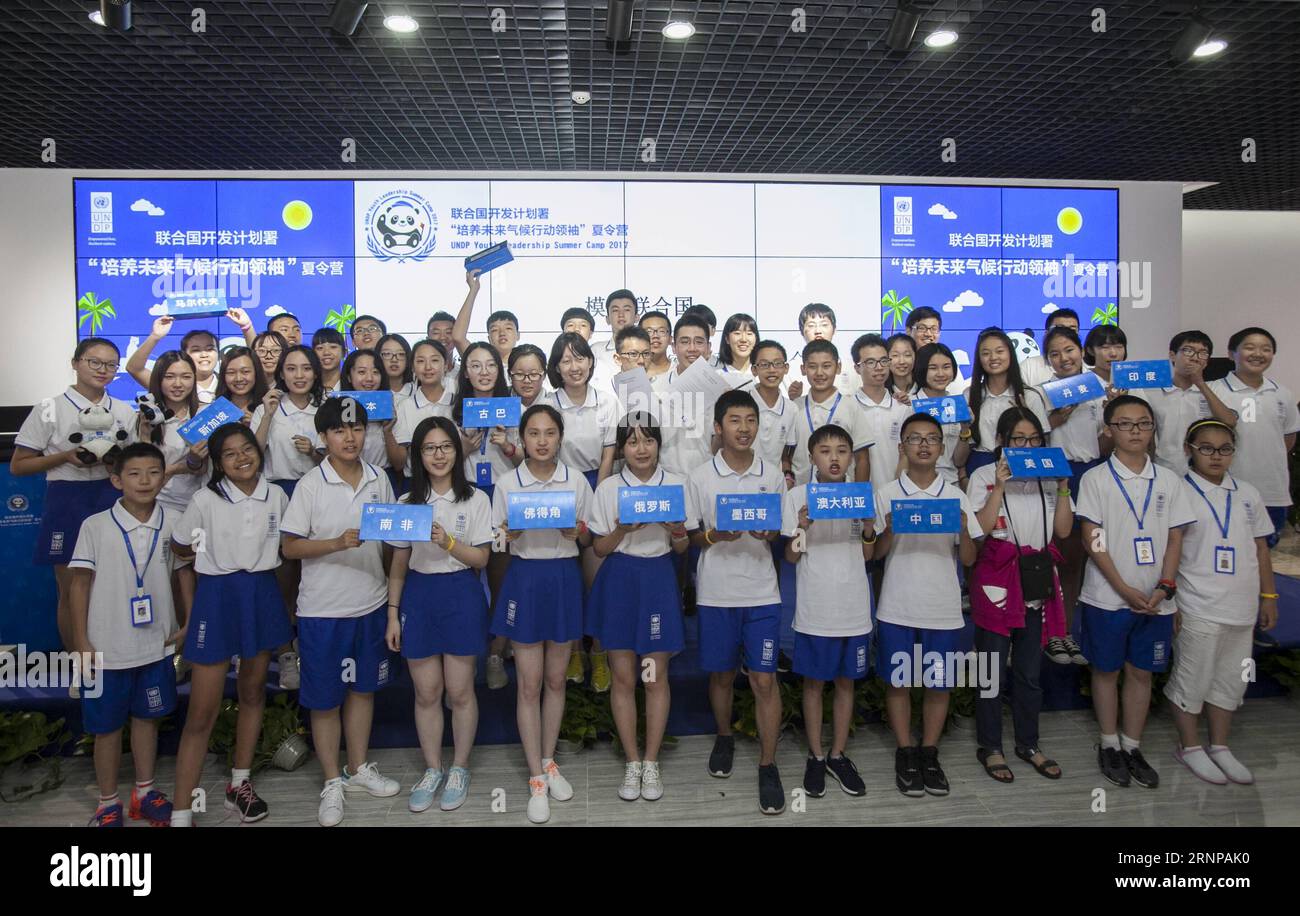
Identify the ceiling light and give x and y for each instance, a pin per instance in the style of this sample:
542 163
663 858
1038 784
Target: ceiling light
1193 36
346 15
97 17
940 39
618 24
678 30
400 23
115 14
902 27
580 96
1210 48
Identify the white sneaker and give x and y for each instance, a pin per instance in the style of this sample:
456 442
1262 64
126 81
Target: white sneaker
330 812
539 807
289 677
651 788
1232 768
631 788
1199 762
367 779
496 673
558 785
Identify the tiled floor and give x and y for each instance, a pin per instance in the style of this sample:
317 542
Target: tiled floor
1286 555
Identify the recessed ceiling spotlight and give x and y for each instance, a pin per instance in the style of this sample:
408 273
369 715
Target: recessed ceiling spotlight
581 97
1210 48
941 39
400 23
678 30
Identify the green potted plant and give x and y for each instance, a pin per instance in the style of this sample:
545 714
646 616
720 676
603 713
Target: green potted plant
284 741
29 745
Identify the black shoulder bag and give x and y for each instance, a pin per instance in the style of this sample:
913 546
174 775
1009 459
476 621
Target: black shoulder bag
1037 582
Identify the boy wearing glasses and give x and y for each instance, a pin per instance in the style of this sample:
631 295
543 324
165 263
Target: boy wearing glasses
817 322
1189 399
620 313
883 413
366 331
1132 513
775 411
924 325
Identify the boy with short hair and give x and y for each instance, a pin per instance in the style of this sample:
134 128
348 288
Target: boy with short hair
711 322
817 322
739 600
578 320
632 350
439 328
1190 398
286 325
919 613
365 332
620 312
832 619
688 438
660 329
123 609
1132 513
1035 371
342 614
882 413
502 325
776 415
823 404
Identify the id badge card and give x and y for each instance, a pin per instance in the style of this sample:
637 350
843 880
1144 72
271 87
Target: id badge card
1144 552
483 473
1225 560
141 611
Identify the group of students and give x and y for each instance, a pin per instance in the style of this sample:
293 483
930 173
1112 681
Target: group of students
248 545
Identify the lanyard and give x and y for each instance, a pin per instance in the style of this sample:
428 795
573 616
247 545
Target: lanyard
1227 507
130 552
807 412
1151 484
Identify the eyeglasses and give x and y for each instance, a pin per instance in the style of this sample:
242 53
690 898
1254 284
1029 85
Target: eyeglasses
767 365
656 332
1223 450
873 363
1195 353
636 354
926 327
390 355
1127 426
1026 441
479 367
438 448
98 365
365 329
923 440
268 352
526 376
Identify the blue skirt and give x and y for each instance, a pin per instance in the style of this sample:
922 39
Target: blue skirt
591 477
240 613
540 600
977 460
397 479
443 613
634 605
1077 470
68 503
287 485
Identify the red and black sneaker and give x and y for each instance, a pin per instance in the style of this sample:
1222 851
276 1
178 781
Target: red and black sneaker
243 799
153 807
110 816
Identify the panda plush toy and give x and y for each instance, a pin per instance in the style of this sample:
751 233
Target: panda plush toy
153 414
1024 344
94 441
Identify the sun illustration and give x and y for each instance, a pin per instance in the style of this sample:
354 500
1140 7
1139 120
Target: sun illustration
297 214
1069 220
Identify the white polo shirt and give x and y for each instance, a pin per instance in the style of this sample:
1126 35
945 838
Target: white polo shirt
1078 435
415 408
1175 409
652 540
588 427
776 427
833 596
1034 371
1028 519
687 432
840 409
401 394
1230 598
283 460
346 583
883 421
607 366
1102 503
48 426
1261 451
541 543
238 532
469 522
373 450
735 573
992 408
101 548
207 391
920 586
180 488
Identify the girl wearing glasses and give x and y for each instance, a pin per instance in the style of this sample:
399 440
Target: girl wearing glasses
395 360
268 347
1225 587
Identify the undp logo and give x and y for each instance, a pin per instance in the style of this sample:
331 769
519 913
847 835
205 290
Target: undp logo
18 503
401 226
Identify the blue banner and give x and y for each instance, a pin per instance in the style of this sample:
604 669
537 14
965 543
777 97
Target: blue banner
544 509
195 305
1142 373
1076 389
651 504
204 423
749 512
28 607
946 410
1037 462
840 500
396 522
925 516
485 412
378 404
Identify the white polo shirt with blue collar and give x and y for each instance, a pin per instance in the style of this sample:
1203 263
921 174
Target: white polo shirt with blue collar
1266 415
735 573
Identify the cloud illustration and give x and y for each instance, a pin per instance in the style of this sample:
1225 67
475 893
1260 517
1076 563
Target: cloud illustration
274 310
1049 308
966 299
158 310
144 206
941 210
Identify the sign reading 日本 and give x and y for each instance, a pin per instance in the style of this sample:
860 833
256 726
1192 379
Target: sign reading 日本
378 404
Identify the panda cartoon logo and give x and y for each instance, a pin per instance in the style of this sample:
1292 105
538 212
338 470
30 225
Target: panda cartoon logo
400 225
1025 346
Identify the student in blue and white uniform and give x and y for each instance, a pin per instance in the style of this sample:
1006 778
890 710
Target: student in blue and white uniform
330 348
363 371
883 413
1188 399
740 337
821 405
395 359
489 454
437 612
995 385
933 375
541 602
776 413
231 528
431 397
172 385
284 422
635 608
902 359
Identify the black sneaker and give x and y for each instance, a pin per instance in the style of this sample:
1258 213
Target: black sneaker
931 773
724 750
783 662
244 800
1113 766
845 773
907 772
1139 770
814 777
771 796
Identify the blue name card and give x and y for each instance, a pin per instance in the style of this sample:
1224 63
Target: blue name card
1037 462
489 258
1074 390
651 504
485 412
378 404
749 512
840 500
946 410
1142 373
204 423
545 509
396 522
925 516
196 304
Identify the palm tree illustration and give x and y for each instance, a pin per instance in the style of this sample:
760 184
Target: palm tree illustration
94 309
1107 315
895 309
341 320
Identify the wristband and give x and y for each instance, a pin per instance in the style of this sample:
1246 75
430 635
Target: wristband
678 533
965 434
581 526
398 606
708 537
451 542
1271 595
513 450
868 540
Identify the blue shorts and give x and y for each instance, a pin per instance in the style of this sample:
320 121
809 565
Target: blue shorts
145 692
1276 515
338 654
443 613
240 613
634 605
824 658
68 503
916 656
286 485
540 601
724 631
1111 638
1077 470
